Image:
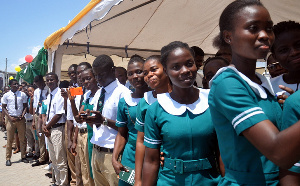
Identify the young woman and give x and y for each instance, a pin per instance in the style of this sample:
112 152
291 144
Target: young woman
127 107
244 113
179 124
157 80
286 50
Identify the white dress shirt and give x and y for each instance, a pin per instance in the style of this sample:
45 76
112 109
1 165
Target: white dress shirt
36 97
70 115
104 136
9 99
57 106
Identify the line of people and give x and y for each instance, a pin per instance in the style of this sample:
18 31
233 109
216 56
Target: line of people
165 130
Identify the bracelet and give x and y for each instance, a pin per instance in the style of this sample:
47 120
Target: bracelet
105 122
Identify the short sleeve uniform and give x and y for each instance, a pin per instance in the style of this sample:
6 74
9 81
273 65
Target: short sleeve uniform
236 104
186 134
127 108
142 107
290 115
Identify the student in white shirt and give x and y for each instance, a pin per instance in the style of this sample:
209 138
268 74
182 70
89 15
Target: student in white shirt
54 129
14 105
40 94
104 122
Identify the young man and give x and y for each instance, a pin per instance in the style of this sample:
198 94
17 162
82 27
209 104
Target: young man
104 129
14 105
72 75
54 129
40 94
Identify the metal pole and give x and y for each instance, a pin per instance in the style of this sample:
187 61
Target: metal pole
6 73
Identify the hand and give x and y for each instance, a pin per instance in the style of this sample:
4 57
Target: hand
79 118
69 94
64 93
281 98
118 167
12 119
45 130
73 149
162 159
33 126
98 118
31 95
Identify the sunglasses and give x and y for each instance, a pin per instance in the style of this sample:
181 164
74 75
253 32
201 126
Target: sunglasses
273 66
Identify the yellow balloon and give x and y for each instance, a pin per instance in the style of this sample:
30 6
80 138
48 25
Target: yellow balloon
18 68
10 78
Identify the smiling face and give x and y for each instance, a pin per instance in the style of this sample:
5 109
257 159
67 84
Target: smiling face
154 74
181 68
88 79
135 75
287 50
52 82
252 33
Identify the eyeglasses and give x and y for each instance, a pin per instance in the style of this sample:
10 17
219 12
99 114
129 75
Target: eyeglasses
273 66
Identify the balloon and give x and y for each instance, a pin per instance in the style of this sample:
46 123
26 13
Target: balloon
10 78
18 68
28 58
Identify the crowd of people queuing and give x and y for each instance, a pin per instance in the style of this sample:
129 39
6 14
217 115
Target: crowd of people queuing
166 120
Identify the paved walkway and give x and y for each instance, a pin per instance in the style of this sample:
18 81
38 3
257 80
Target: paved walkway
20 173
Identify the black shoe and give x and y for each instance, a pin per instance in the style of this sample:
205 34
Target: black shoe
35 157
38 163
24 160
48 175
8 163
29 155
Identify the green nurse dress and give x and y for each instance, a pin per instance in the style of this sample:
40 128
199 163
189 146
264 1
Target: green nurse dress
188 140
236 103
290 115
142 107
86 103
126 118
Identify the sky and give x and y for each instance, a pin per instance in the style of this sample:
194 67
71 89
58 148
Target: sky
25 24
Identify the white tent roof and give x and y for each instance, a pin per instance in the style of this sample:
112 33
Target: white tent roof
144 26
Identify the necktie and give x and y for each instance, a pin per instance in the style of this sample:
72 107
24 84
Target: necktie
40 101
49 107
16 102
101 100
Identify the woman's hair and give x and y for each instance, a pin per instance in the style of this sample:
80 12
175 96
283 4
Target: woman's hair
227 18
166 50
215 58
284 26
136 58
154 57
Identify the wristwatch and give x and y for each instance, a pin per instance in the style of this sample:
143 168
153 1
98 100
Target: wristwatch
105 122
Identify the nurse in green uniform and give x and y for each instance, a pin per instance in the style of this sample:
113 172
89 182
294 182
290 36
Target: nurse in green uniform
245 113
180 123
156 79
127 134
90 84
286 50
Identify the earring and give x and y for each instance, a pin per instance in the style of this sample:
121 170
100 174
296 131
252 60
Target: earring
229 41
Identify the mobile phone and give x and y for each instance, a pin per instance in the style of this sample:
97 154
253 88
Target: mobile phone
83 115
76 91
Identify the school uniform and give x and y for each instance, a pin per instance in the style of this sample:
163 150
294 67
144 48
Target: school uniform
104 136
127 110
82 157
38 97
86 103
291 115
14 102
188 140
236 104
56 140
30 133
276 81
142 107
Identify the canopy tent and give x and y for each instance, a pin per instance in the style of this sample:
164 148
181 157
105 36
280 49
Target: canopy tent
144 26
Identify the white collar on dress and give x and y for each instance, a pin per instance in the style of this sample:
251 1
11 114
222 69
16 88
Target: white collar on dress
175 108
258 89
130 100
149 98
